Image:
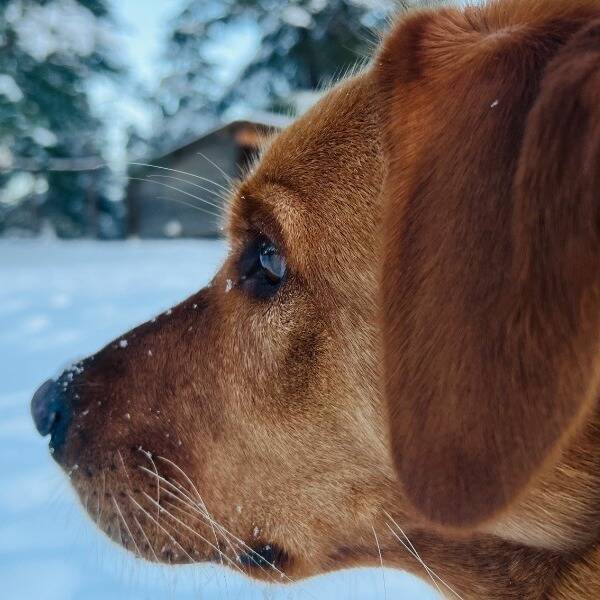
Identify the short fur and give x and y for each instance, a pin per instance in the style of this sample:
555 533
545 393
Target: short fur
492 314
439 218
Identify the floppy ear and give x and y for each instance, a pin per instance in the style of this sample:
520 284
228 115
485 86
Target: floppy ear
491 283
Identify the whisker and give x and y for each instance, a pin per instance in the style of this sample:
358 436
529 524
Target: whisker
419 561
146 538
194 488
121 541
224 531
194 532
98 510
196 185
196 515
184 203
139 164
381 562
120 513
207 515
189 502
216 166
124 467
101 506
203 506
149 516
168 483
185 476
172 187
416 554
148 455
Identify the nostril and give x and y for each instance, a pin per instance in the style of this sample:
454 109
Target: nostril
50 411
44 408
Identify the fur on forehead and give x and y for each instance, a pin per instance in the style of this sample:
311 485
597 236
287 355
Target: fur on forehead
316 184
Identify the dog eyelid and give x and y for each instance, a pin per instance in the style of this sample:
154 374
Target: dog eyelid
253 219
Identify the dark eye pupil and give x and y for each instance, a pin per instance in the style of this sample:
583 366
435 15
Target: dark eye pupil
272 262
261 268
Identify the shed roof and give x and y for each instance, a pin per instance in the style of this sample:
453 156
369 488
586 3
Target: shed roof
268 120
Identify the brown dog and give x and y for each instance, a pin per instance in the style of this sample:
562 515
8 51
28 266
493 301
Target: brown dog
249 424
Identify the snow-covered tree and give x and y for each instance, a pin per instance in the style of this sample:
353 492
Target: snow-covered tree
305 44
301 44
50 142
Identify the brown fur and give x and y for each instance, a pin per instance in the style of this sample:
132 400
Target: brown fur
270 415
492 329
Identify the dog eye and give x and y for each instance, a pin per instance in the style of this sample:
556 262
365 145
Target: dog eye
272 262
261 268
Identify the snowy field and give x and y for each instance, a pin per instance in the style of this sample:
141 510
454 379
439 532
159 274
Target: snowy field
60 301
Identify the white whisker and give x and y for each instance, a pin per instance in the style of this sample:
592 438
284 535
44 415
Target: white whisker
381 562
224 532
194 532
172 187
427 570
120 513
216 166
124 467
189 502
146 538
202 511
139 164
185 476
149 516
207 516
196 514
196 185
169 484
120 531
101 506
148 455
184 203
416 554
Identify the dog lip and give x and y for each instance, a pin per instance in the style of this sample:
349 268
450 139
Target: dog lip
264 556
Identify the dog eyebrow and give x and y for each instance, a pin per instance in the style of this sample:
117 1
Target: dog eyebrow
254 209
266 204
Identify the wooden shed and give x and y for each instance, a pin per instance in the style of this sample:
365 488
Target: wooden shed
162 199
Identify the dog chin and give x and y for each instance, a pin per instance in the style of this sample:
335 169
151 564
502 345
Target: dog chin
164 531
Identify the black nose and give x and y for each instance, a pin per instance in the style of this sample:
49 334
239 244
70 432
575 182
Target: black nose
51 412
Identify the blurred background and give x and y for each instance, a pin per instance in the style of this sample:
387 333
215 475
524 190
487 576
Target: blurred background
122 124
90 87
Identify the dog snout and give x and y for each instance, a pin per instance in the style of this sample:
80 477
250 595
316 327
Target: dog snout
51 412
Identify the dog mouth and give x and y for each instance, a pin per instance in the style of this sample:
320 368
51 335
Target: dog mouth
266 556
145 502
153 509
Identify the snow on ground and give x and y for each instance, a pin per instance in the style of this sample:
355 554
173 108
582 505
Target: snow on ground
60 301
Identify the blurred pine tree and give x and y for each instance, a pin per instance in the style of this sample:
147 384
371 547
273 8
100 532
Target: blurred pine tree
50 52
301 45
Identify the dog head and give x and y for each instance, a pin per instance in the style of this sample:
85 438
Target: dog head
249 413
385 232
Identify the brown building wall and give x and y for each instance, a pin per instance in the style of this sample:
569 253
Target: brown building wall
188 201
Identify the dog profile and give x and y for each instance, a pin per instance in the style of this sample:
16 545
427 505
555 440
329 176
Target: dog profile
399 357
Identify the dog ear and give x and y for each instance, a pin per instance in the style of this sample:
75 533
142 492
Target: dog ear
491 283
